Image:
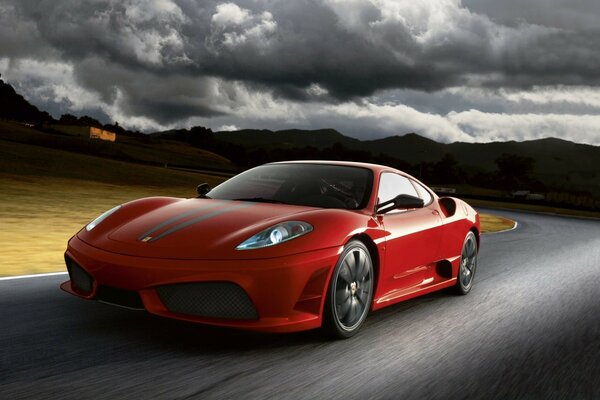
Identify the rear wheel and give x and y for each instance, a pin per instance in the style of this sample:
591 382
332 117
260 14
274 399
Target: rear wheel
468 265
350 292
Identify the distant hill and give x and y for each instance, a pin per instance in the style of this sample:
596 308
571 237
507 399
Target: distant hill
411 148
321 138
14 106
557 162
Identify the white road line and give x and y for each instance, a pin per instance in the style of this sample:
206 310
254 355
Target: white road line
8 278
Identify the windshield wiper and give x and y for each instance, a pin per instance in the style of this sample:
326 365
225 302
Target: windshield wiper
261 200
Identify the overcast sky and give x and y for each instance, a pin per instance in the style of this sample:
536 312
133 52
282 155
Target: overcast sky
451 70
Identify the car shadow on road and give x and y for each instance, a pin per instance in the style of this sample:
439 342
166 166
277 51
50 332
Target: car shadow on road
139 328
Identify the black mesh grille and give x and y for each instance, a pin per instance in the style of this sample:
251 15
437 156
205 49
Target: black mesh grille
208 299
80 279
119 297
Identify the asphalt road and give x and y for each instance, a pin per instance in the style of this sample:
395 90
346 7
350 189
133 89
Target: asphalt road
529 329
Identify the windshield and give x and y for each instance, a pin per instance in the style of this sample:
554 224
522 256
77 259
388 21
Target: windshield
315 185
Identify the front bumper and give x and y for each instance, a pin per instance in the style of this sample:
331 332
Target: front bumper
287 293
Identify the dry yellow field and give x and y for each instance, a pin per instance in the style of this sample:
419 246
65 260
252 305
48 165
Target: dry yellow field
38 215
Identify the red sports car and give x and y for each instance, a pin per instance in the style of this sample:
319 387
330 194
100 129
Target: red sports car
282 247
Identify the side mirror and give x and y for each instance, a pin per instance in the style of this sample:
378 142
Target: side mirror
404 201
203 189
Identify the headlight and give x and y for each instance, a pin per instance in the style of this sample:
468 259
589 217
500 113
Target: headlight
101 218
276 234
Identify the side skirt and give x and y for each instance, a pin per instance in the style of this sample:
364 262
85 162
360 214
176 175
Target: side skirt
398 295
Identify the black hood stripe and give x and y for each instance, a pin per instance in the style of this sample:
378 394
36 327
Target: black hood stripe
198 219
178 217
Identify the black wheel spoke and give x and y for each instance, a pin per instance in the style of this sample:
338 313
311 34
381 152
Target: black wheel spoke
471 264
466 271
345 274
362 296
359 270
366 280
351 265
471 249
362 266
341 295
352 313
345 308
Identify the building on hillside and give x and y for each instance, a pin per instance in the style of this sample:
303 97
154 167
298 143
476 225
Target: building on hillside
520 194
84 131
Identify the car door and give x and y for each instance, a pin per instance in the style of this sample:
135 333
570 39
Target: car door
412 236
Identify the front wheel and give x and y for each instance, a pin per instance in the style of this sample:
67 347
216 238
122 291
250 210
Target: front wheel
468 265
350 292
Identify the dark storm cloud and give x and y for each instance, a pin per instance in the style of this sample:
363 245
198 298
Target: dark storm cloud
309 47
171 59
564 14
122 32
166 97
19 34
309 44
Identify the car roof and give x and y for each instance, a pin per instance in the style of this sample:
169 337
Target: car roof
374 167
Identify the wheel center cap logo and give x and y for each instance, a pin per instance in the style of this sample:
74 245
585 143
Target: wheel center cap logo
353 288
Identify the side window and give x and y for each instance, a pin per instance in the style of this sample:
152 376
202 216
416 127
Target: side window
391 185
423 193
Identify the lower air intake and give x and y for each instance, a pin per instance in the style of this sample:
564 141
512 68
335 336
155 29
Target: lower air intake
119 297
208 299
80 280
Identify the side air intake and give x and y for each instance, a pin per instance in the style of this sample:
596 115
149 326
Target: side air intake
449 206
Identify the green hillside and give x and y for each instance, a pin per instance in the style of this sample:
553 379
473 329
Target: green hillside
266 139
27 161
151 151
557 161
411 148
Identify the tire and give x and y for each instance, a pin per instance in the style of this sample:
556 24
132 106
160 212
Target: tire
467 266
349 293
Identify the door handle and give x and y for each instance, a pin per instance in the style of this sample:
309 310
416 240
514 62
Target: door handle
435 212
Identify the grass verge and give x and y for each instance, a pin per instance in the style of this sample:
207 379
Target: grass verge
493 223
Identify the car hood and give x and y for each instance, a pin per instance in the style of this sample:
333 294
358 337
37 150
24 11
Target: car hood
193 229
